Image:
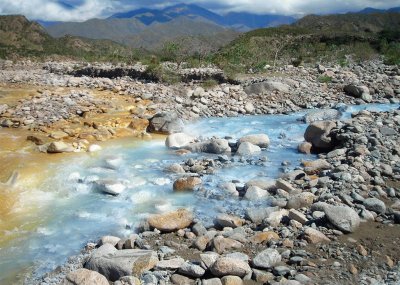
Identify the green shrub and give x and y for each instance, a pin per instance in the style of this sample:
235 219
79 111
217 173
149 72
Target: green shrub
209 84
324 79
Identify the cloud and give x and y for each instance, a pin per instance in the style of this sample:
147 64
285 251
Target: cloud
79 10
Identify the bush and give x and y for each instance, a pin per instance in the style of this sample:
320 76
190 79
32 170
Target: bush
324 79
209 83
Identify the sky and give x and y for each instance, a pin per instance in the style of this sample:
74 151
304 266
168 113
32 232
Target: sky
81 10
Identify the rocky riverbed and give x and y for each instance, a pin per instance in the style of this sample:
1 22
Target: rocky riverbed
331 220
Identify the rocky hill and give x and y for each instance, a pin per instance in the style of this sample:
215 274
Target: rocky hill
21 37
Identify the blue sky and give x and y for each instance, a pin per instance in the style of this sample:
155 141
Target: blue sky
80 10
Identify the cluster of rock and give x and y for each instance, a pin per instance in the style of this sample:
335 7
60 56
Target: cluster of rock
297 88
46 108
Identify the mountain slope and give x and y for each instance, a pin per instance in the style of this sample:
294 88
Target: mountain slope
113 29
21 37
370 10
242 20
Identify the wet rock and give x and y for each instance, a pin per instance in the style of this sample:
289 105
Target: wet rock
304 147
94 148
83 276
186 184
317 134
375 205
247 149
255 193
59 147
109 239
321 115
261 140
214 146
175 168
165 123
228 266
110 187
36 140
266 184
171 221
267 258
178 140
122 263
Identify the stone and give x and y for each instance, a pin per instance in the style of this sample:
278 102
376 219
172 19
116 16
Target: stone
192 270
225 220
317 134
178 279
58 135
169 264
304 147
321 115
212 281
249 108
36 140
274 218
247 149
314 236
198 229
304 199
315 166
255 193
297 216
128 280
171 221
356 90
262 277
94 148
231 280
109 239
266 184
186 184
375 205
228 266
267 258
263 236
208 259
287 186
109 187
221 244
343 218
165 123
114 265
84 276
178 140
175 168
262 87
59 147
261 140
214 146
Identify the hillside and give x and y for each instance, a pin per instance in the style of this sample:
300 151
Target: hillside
21 37
315 38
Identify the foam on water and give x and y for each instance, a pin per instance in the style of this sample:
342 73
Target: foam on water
74 212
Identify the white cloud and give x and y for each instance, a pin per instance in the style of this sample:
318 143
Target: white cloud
52 11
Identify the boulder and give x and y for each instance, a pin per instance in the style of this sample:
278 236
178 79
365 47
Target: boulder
315 166
247 149
265 184
109 239
178 279
225 220
171 221
229 266
261 140
321 115
84 276
304 199
314 236
356 90
212 281
186 184
59 147
170 264
165 123
178 140
255 193
267 258
231 280
375 205
266 86
192 270
221 244
317 134
343 218
116 264
214 146
304 147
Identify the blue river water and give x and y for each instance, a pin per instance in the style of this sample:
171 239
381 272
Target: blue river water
72 213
